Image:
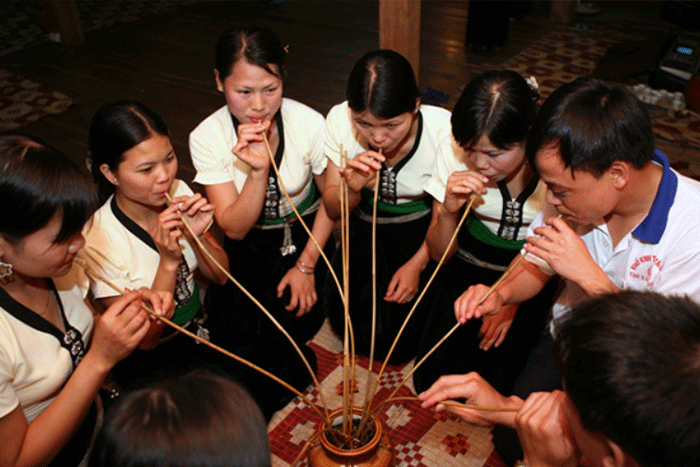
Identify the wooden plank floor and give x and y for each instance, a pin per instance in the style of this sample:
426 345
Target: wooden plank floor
166 60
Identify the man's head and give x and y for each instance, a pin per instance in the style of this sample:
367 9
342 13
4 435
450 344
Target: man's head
631 370
587 139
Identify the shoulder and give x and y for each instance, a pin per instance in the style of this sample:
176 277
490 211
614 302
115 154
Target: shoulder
219 120
339 112
300 116
437 115
436 121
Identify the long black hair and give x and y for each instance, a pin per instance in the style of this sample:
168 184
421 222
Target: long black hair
114 129
498 104
36 183
382 82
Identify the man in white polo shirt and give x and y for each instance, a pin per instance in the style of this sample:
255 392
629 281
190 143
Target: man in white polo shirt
617 217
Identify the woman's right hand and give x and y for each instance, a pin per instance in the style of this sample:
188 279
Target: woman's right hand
467 305
250 147
167 233
460 186
360 170
122 326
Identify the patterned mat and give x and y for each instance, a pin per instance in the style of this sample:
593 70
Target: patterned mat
566 53
23 101
420 438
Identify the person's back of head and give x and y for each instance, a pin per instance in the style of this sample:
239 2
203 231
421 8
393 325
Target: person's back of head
593 124
631 367
196 420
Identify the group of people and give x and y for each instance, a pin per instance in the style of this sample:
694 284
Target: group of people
575 186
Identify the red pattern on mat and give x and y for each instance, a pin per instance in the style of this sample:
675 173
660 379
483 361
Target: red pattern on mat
23 101
419 437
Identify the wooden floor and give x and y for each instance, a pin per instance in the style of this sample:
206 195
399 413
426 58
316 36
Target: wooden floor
166 61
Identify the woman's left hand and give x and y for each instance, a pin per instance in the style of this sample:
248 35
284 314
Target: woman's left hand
495 327
196 211
404 284
303 291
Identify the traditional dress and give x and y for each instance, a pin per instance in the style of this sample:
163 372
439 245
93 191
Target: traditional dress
403 217
489 239
37 358
273 245
122 252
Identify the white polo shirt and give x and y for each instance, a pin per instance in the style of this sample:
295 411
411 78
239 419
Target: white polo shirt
413 177
662 254
213 139
488 208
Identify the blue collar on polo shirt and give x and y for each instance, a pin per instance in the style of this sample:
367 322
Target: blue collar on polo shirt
652 227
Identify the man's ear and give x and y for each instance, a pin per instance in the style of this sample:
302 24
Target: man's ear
616 456
619 173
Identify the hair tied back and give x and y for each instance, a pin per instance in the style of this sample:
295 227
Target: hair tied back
532 82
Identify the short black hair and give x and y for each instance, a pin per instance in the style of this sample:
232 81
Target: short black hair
116 128
499 104
36 183
256 45
198 419
631 366
593 124
382 82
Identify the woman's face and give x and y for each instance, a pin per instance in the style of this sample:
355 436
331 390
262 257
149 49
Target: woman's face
38 256
387 134
495 163
251 92
146 173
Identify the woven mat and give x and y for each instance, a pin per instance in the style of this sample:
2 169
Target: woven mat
23 101
421 438
567 53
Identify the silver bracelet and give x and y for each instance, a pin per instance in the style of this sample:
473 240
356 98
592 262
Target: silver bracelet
303 271
306 266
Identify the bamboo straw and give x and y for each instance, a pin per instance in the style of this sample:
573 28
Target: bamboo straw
467 209
346 310
451 403
456 326
221 350
368 385
257 303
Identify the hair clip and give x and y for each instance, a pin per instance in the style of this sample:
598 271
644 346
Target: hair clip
286 49
532 82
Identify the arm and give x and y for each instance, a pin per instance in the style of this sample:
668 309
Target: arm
524 282
117 333
446 215
358 174
302 285
561 247
236 212
477 392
